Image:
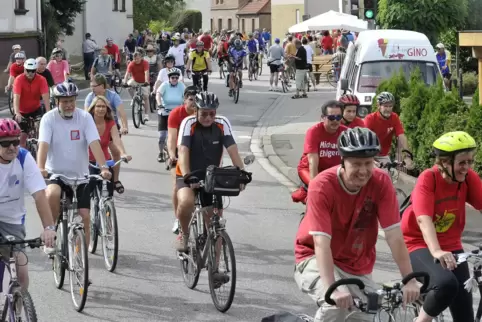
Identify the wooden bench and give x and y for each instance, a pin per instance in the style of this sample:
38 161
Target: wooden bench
321 66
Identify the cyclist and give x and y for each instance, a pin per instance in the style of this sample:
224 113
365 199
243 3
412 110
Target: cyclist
15 69
15 50
176 116
253 49
200 62
236 56
275 56
28 89
59 68
103 65
222 52
169 96
138 74
162 77
65 135
114 52
129 48
42 70
386 124
261 46
178 51
434 222
12 207
202 138
154 60
336 239
350 107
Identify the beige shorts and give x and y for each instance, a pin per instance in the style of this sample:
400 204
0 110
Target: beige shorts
145 89
307 277
300 77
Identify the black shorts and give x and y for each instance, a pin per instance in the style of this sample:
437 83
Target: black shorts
448 76
231 68
83 193
206 198
273 68
162 122
221 59
94 183
24 124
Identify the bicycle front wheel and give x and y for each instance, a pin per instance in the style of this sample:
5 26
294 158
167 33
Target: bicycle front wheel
110 236
117 84
398 314
136 116
222 271
61 255
10 102
330 77
79 275
236 91
22 307
94 223
190 263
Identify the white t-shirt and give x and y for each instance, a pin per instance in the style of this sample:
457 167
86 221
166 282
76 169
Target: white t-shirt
68 141
162 76
14 182
178 53
309 53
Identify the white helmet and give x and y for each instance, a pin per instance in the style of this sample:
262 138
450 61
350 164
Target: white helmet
16 47
30 64
20 55
440 46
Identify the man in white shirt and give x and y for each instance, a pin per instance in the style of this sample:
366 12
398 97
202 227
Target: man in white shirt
66 133
19 172
162 77
309 59
178 51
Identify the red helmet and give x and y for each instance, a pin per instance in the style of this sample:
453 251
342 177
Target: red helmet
349 99
9 127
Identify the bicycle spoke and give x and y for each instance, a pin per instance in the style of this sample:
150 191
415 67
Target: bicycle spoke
79 275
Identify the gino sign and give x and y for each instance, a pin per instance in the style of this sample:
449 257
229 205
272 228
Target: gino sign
391 50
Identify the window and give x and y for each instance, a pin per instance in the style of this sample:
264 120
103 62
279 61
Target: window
123 6
20 8
212 24
229 24
243 26
115 5
220 24
297 16
221 1
217 1
252 24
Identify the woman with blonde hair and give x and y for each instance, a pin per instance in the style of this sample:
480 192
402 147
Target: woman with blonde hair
104 121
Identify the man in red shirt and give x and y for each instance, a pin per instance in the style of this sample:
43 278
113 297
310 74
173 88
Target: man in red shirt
336 239
138 69
351 104
176 116
113 51
15 69
386 124
208 42
28 88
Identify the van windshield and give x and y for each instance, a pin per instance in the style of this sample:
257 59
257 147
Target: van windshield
373 73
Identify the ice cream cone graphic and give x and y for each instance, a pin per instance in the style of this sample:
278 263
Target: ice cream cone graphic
382 44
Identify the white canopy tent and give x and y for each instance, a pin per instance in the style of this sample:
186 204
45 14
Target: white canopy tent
331 20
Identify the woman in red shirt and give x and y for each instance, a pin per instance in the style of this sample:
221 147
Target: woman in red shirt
351 104
433 224
327 43
104 121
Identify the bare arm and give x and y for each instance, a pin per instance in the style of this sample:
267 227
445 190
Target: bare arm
313 161
189 63
16 104
46 99
324 260
10 80
234 155
399 250
126 77
183 160
171 142
43 208
122 115
43 149
114 134
146 75
429 234
403 142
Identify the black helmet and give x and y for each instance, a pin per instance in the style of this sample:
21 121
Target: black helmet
385 97
170 57
190 90
207 100
358 142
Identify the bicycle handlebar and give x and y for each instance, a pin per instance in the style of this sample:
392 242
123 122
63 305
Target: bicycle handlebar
109 163
473 257
32 243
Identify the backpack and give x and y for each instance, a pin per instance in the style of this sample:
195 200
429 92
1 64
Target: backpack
22 154
109 62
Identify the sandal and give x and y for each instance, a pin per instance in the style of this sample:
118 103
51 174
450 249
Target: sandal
304 95
295 96
119 187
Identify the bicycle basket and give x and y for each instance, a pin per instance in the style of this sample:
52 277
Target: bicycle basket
225 181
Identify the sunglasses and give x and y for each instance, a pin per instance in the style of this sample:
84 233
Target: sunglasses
6 144
174 77
30 71
334 117
206 114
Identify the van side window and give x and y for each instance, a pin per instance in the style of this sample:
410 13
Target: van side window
351 68
353 79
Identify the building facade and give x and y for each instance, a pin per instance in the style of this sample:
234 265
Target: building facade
205 7
314 8
223 14
102 19
256 14
284 14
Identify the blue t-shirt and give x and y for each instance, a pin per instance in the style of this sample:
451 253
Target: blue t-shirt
172 96
442 60
237 55
266 36
113 98
260 42
252 46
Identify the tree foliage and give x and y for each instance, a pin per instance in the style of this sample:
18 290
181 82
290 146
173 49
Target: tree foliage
190 19
146 11
430 17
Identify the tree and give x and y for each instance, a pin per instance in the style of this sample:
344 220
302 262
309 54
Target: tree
190 19
426 16
146 11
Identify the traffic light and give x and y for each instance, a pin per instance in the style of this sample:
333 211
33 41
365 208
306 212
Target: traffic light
370 9
355 8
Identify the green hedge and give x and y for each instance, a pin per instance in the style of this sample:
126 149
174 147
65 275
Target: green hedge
429 111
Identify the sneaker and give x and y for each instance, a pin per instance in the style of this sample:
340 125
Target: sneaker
270 88
230 94
146 117
181 243
175 228
240 84
49 251
160 157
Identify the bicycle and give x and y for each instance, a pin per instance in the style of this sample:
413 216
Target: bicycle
392 168
199 84
206 241
17 299
71 240
253 67
33 124
152 96
103 220
283 78
236 81
385 301
10 101
137 104
260 62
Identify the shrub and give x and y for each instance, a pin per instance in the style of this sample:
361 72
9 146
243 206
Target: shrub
190 19
156 26
470 83
397 85
475 98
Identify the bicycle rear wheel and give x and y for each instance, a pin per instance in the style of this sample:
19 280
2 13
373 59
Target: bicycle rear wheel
250 72
190 264
110 235
61 254
140 111
23 307
94 222
10 102
136 119
330 77
117 84
152 103
79 275
255 72
219 278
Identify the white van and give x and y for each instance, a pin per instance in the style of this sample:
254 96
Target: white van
377 55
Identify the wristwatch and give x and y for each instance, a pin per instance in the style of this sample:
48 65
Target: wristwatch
52 228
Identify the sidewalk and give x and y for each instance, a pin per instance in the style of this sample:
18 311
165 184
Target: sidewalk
281 139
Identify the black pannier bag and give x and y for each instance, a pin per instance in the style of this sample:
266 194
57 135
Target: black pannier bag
225 181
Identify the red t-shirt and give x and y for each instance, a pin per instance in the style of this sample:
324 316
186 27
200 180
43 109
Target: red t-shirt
445 203
208 41
104 141
176 116
317 140
356 122
327 43
16 69
114 52
223 49
385 129
192 44
138 71
350 220
30 92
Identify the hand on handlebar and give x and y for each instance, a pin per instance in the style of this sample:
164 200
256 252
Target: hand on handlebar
44 173
343 299
48 237
411 292
105 173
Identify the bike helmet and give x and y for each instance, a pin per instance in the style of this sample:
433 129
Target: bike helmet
8 128
349 99
173 71
66 89
207 100
190 90
238 43
358 143
199 44
109 39
385 97
16 47
57 51
452 143
169 57
30 64
20 55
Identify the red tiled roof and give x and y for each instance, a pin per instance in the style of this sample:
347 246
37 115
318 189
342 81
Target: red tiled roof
253 7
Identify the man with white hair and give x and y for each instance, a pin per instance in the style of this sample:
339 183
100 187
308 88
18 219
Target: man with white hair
444 58
44 71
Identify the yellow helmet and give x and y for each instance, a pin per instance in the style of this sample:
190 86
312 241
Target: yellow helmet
454 142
